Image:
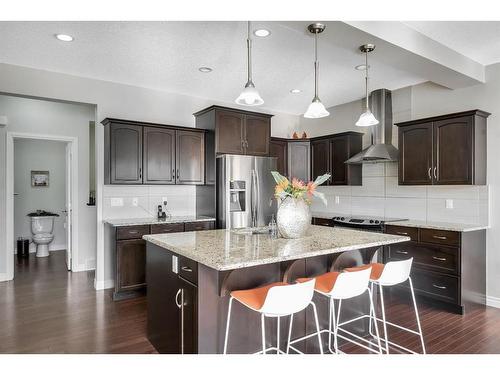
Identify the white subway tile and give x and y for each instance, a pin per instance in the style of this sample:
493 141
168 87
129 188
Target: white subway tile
125 191
372 187
484 192
392 189
453 192
373 170
370 206
406 208
391 169
464 210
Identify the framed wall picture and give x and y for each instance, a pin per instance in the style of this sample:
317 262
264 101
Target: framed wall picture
39 178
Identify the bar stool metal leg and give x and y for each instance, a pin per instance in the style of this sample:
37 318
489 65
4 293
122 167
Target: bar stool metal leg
336 328
227 323
289 334
372 311
263 334
386 338
278 337
317 327
416 315
330 323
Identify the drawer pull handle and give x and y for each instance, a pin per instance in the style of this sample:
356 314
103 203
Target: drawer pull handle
438 286
439 258
402 252
440 237
402 233
187 269
133 231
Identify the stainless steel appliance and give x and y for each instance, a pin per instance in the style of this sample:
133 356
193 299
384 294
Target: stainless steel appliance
369 223
245 191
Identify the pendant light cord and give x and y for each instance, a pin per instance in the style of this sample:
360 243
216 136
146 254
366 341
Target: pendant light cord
249 55
366 79
316 65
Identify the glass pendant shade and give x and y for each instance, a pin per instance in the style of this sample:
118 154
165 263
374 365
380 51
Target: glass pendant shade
249 96
316 110
367 119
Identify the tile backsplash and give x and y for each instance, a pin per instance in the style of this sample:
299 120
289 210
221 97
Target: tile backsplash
181 200
380 195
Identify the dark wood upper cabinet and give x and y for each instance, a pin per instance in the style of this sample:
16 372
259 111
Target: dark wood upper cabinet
236 131
190 160
320 158
299 165
147 153
159 155
125 154
279 149
415 154
443 150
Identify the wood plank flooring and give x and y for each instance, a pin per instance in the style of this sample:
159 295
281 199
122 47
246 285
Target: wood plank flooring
49 310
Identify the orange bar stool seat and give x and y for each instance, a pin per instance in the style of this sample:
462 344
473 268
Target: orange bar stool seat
275 300
387 275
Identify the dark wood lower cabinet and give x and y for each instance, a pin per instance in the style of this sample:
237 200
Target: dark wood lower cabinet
130 250
448 267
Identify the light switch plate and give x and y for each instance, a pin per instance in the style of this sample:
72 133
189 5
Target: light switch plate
135 201
116 202
449 203
175 264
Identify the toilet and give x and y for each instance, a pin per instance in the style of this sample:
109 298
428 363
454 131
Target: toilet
41 227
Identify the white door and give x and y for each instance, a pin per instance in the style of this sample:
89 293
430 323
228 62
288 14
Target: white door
68 211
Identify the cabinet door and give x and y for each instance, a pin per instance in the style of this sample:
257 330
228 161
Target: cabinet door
130 264
188 317
126 154
339 153
298 160
159 156
415 154
229 131
320 158
453 151
278 149
190 158
257 135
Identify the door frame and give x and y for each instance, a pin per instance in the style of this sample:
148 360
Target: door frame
9 212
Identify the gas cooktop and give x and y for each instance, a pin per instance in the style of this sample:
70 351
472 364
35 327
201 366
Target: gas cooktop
364 220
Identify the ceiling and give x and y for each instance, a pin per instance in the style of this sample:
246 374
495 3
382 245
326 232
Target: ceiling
167 55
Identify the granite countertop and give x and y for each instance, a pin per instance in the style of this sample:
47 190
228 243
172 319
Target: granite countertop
226 249
455 227
154 220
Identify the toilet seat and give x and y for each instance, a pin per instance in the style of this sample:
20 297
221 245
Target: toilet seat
42 236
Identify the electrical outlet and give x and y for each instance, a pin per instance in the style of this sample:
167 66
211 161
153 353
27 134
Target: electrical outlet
135 201
116 202
337 199
449 203
164 200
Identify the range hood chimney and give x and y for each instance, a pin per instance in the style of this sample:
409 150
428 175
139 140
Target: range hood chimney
381 149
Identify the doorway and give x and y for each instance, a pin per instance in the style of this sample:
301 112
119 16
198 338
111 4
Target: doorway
40 178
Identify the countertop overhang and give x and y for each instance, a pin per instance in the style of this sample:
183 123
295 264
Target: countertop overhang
226 249
154 220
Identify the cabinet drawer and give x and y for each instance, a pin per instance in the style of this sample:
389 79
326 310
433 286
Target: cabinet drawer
441 259
198 225
188 269
167 228
442 237
436 285
322 221
402 231
132 232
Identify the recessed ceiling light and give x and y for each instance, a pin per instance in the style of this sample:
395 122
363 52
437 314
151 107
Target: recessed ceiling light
64 37
205 69
295 91
262 33
361 67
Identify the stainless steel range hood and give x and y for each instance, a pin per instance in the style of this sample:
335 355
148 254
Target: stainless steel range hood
381 149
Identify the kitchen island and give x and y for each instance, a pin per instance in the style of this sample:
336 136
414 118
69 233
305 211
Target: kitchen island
190 276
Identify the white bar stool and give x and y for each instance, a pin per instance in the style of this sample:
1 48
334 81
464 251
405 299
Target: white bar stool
342 286
275 300
391 274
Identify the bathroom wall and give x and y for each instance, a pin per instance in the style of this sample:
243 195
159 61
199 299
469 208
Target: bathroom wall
39 155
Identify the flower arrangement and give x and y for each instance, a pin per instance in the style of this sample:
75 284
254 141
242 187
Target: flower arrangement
298 189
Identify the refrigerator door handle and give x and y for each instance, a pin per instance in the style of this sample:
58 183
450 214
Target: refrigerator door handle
253 198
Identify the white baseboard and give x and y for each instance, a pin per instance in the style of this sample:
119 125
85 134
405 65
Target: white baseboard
104 284
493 301
4 277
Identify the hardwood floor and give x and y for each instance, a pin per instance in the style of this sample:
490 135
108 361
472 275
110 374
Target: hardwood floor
49 310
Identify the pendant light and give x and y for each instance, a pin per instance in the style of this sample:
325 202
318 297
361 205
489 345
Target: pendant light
367 118
316 109
249 96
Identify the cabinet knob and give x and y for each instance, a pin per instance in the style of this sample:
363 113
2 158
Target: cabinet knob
186 269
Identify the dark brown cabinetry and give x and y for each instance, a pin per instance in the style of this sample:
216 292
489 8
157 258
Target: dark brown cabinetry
237 132
278 148
448 267
329 153
443 150
130 250
145 153
299 156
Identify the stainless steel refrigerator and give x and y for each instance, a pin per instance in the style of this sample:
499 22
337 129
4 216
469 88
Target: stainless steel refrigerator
245 191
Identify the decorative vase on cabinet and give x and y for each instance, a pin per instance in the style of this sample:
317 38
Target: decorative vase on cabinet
294 213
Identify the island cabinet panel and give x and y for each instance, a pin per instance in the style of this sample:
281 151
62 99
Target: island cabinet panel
448 266
126 154
443 150
190 161
278 148
159 156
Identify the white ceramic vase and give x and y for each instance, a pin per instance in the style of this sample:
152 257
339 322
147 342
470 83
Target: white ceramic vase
293 217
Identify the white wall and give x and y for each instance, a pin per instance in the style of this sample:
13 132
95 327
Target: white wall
39 155
54 118
112 100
